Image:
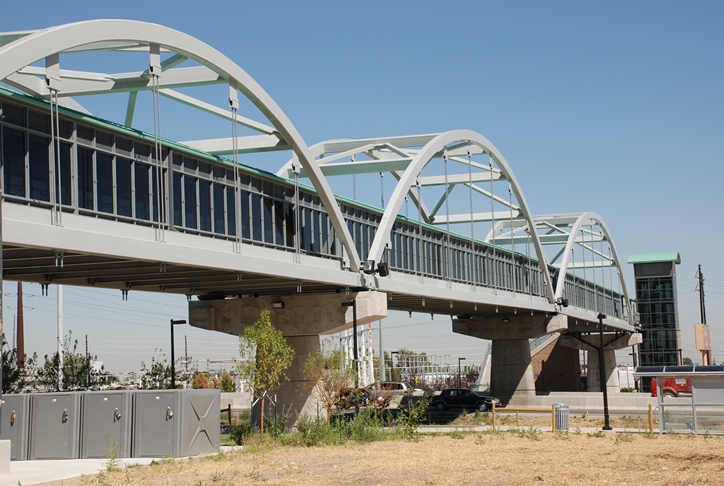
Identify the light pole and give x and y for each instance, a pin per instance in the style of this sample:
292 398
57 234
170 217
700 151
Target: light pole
460 373
602 365
353 304
173 360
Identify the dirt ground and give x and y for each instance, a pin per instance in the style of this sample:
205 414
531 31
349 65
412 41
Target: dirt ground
528 456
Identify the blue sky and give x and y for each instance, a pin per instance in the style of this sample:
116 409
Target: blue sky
604 107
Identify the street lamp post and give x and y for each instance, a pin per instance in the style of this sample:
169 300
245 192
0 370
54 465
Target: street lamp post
602 365
173 360
460 373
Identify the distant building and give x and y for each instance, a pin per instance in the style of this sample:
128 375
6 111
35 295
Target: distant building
657 306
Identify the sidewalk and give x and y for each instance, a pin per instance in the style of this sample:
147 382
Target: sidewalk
35 472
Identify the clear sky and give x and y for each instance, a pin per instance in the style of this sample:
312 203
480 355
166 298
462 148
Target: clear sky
614 107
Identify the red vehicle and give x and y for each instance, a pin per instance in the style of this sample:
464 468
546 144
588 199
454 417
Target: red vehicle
671 387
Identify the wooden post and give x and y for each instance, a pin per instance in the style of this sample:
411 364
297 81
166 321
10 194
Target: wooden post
493 416
651 419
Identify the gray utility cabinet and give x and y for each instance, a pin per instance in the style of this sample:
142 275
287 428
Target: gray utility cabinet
176 422
15 424
106 430
55 424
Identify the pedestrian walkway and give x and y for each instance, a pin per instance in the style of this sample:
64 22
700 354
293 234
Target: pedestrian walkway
36 472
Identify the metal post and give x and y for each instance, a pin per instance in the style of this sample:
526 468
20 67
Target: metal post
355 356
460 374
173 360
382 355
602 361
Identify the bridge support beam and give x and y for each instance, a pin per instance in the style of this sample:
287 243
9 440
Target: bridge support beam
511 370
592 344
302 318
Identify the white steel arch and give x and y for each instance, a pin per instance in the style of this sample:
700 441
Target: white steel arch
408 178
590 218
25 49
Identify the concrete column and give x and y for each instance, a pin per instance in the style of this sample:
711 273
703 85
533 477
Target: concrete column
592 344
511 370
511 367
302 318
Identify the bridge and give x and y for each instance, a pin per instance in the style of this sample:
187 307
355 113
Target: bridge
247 219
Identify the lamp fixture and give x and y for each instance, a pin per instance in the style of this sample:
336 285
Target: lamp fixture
277 305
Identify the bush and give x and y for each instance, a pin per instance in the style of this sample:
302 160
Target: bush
240 430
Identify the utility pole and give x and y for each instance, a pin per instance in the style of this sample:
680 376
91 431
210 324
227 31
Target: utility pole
705 347
88 363
21 329
186 353
702 307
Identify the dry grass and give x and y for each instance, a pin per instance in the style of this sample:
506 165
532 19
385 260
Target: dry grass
524 457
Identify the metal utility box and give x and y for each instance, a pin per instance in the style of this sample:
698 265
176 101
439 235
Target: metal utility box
55 426
154 422
15 424
106 429
200 426
175 423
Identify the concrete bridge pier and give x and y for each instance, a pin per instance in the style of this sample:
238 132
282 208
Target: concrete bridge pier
302 318
511 370
592 344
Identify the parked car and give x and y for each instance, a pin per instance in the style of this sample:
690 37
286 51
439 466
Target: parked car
353 398
390 388
462 399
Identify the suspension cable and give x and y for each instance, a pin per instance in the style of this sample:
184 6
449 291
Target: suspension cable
472 220
512 236
419 226
382 190
593 267
155 72
585 279
492 214
610 275
56 187
575 273
530 267
354 180
234 105
297 215
447 215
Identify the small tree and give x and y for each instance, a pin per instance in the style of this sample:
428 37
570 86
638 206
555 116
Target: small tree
78 369
201 381
157 376
14 379
227 383
265 358
324 379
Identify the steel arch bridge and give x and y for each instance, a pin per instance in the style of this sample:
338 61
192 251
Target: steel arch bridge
494 257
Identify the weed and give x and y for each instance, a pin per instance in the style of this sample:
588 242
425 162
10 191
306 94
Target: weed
113 463
255 475
411 416
650 435
457 434
531 433
598 434
623 437
563 436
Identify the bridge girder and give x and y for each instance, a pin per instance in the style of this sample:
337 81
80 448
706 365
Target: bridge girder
22 50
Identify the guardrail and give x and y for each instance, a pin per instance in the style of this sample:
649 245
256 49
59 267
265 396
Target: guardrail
551 410
553 413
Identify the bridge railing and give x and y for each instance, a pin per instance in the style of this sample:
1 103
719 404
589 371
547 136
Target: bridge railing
105 170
